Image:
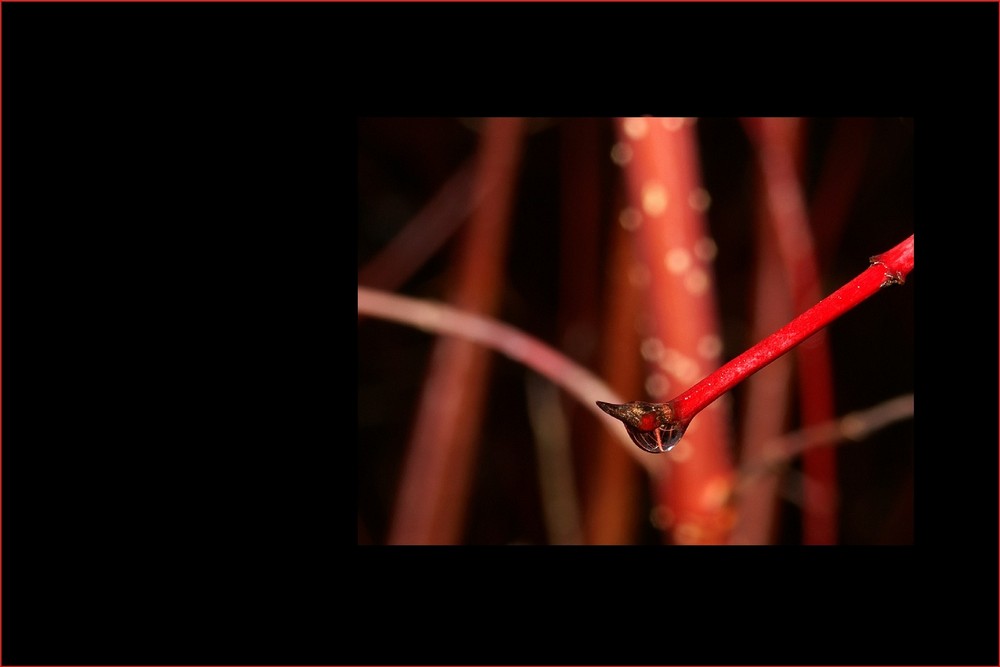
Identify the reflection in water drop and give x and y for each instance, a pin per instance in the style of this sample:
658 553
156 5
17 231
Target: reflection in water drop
659 439
651 426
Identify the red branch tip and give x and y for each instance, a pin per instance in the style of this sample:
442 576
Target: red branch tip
889 268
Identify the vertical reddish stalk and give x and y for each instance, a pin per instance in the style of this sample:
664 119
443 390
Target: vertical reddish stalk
839 183
667 204
766 397
612 480
776 140
767 394
430 506
579 252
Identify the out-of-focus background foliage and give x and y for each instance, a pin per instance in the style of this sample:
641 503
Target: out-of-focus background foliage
567 199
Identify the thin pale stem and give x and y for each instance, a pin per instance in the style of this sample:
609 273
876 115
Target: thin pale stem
438 318
852 427
765 402
556 480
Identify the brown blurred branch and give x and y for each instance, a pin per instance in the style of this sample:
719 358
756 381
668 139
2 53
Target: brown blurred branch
766 399
560 500
423 235
433 493
839 182
778 142
853 427
612 483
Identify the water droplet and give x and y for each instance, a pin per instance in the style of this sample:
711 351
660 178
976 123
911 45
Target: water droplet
677 260
699 199
630 219
621 153
658 385
672 124
696 281
651 349
688 533
638 275
709 346
635 128
661 517
636 417
705 249
683 451
654 199
681 366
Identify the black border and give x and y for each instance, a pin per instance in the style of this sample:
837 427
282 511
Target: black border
183 115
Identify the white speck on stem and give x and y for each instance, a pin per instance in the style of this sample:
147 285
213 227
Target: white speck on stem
705 249
635 128
709 346
638 275
652 350
678 364
621 153
672 124
697 281
678 260
630 218
682 451
654 199
658 386
699 200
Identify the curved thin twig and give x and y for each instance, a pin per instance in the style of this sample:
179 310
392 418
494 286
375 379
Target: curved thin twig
438 318
854 426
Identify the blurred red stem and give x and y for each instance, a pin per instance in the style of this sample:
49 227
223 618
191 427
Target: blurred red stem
766 397
664 185
778 142
433 492
427 231
612 483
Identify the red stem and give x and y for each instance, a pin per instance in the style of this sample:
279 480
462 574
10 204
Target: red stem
660 159
888 268
611 483
778 142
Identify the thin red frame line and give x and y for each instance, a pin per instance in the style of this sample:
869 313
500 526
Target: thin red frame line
1 338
